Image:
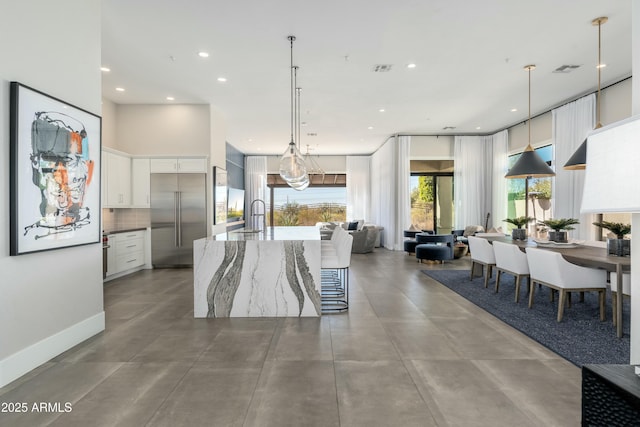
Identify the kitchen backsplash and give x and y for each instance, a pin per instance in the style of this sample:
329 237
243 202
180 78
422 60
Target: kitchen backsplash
122 219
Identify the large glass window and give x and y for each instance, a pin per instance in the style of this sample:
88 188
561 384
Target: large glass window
534 193
317 203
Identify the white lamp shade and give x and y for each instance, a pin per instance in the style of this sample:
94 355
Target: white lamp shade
613 168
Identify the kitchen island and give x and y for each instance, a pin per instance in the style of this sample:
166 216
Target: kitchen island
272 273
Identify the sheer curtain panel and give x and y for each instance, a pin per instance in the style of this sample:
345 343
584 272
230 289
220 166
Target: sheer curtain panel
571 124
390 200
500 145
472 178
255 182
359 188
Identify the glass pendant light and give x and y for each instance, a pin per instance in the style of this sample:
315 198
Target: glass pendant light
292 168
578 161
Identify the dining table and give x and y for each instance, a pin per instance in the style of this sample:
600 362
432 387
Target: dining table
586 256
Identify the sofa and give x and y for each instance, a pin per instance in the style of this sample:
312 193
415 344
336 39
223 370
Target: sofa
326 228
365 240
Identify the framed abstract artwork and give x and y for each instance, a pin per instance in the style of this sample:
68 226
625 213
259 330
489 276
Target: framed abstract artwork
220 195
54 173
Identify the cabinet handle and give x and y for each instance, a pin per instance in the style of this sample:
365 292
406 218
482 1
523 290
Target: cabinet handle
132 260
132 246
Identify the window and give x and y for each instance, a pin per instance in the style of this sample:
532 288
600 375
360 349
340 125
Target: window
323 201
537 194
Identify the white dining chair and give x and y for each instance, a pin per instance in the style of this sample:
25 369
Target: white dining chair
626 290
511 260
481 254
550 269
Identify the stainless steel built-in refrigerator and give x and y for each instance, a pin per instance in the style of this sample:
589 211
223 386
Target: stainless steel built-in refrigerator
178 217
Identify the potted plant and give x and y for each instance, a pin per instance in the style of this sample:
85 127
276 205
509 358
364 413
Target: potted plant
618 246
519 233
560 227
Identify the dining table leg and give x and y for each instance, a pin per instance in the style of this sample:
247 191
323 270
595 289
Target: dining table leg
619 296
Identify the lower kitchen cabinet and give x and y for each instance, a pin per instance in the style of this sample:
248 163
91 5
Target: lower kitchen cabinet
126 252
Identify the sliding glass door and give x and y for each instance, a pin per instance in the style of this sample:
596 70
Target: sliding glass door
432 202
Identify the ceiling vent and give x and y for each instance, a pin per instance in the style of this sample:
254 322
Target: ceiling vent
382 68
566 68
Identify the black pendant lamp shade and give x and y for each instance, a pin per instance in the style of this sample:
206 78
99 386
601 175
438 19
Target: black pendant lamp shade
530 165
578 160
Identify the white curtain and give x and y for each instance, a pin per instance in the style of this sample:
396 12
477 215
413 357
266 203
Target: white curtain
500 155
403 193
472 179
255 185
359 188
570 125
390 200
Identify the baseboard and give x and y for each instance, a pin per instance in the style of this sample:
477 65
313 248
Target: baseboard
18 364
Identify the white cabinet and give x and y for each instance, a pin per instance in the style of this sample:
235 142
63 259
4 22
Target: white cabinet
126 252
129 250
116 180
179 165
140 183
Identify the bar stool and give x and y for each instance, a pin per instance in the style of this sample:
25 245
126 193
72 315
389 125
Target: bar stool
335 274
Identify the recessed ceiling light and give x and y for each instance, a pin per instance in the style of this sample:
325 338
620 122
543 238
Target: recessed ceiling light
601 65
381 110
478 128
203 54
370 127
411 65
303 124
120 89
105 69
513 110
170 98
222 79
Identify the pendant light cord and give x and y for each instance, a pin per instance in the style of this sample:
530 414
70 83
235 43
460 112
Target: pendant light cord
529 68
291 39
598 124
529 141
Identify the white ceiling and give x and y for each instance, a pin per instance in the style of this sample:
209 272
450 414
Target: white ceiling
469 58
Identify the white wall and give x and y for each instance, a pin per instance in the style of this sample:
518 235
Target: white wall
109 137
431 147
635 218
163 130
50 301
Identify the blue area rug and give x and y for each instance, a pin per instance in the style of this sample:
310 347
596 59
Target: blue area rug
580 338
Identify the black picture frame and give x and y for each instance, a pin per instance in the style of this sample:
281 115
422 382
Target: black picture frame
55 161
219 195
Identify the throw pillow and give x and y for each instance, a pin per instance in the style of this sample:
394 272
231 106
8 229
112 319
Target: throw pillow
352 226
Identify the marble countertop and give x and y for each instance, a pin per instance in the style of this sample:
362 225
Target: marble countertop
272 233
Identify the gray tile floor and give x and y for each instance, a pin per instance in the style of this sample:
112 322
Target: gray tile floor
408 353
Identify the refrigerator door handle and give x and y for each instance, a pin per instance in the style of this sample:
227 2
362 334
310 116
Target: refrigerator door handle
175 219
179 218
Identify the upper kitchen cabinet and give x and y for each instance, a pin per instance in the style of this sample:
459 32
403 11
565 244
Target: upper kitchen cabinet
116 183
140 183
179 165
